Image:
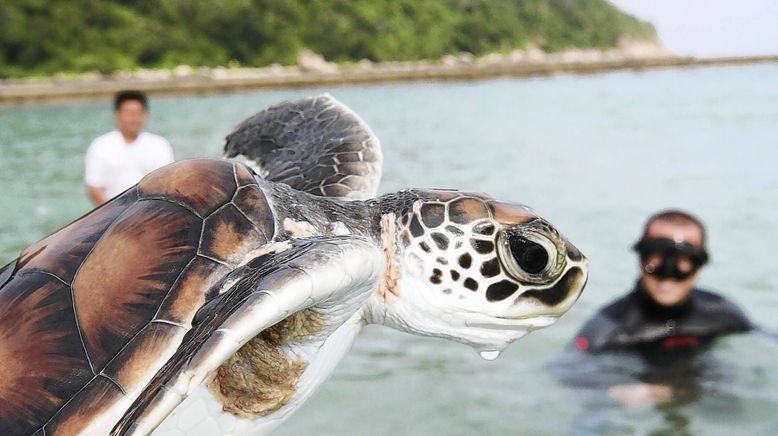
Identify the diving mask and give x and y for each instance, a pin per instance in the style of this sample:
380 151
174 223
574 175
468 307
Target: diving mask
666 258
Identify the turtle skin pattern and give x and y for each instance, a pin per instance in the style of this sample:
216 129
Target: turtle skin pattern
86 312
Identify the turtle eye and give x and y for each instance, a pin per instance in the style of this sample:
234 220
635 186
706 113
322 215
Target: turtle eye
529 256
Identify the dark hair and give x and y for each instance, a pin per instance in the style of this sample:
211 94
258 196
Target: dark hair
675 216
129 95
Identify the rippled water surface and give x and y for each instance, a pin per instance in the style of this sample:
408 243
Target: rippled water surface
594 154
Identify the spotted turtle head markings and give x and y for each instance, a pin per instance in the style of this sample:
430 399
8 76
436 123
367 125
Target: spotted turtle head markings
477 254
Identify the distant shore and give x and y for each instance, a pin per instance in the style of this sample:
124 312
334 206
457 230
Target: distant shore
313 71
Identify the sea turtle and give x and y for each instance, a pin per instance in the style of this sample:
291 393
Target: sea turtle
211 299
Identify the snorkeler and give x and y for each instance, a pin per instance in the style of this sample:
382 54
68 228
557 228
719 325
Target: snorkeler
665 313
665 318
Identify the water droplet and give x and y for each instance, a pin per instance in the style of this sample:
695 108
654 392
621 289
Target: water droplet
490 355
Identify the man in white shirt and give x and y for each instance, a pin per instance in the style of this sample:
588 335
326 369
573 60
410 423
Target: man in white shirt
119 159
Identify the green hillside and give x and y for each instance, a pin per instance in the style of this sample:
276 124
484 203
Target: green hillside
41 37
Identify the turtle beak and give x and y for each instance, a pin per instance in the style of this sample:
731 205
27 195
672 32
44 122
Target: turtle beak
570 287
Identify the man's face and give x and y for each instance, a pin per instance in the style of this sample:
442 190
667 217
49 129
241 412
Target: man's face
130 118
667 291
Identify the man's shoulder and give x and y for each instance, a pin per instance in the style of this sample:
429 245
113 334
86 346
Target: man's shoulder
154 139
708 295
615 311
108 139
609 321
618 308
711 301
711 304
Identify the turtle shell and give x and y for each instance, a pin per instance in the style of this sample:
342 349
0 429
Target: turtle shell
90 313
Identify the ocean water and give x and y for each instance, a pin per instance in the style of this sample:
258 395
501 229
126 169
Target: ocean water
594 154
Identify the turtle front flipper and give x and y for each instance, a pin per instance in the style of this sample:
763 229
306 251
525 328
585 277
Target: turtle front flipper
315 145
325 280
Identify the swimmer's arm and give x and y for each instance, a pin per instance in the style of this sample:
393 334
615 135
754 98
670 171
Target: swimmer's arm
96 195
94 174
641 394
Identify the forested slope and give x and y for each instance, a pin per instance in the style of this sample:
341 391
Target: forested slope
41 37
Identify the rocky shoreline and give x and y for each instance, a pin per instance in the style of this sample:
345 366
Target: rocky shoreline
312 70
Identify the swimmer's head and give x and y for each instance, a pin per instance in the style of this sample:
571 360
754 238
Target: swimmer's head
672 251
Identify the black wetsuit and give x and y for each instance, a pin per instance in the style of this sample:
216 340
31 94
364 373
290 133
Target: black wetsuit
635 322
634 340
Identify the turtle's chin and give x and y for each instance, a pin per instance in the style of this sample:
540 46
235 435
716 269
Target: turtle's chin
528 323
489 333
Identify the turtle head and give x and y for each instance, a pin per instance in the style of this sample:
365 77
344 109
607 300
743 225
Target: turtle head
479 271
